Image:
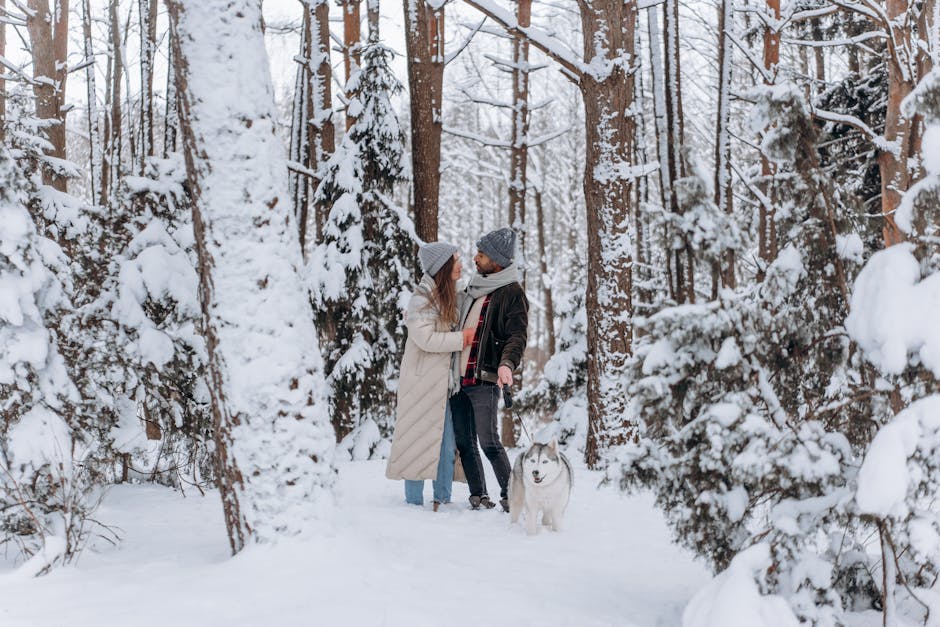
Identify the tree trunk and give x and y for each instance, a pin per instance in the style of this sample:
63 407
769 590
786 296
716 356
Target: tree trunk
148 48
48 34
3 83
767 236
171 119
273 439
111 164
519 151
323 137
94 131
723 273
607 89
424 44
301 112
608 30
352 57
544 279
681 259
893 164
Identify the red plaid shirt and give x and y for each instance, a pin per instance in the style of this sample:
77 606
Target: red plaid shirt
468 376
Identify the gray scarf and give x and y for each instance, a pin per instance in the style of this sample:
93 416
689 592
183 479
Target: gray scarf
480 285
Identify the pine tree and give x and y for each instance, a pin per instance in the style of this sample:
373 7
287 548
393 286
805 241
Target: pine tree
148 314
365 260
46 482
753 408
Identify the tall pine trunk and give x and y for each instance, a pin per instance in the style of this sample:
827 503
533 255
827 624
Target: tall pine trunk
273 439
608 29
48 34
148 48
893 163
352 57
605 78
3 83
723 271
424 43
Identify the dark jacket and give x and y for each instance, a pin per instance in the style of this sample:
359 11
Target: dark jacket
505 331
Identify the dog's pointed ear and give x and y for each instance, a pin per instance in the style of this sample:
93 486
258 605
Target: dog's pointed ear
553 445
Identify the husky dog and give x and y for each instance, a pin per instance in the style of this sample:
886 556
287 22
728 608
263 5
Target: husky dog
541 482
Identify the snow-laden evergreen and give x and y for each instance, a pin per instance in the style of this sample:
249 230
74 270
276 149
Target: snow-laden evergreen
155 367
361 270
45 485
894 306
751 409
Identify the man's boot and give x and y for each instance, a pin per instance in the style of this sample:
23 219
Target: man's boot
504 503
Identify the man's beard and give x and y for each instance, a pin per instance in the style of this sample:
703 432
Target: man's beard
487 269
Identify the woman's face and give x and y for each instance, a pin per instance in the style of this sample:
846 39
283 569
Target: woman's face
458 267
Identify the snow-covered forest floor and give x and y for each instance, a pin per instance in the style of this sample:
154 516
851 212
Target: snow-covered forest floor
381 562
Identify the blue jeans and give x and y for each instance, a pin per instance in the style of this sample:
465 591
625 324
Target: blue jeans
414 490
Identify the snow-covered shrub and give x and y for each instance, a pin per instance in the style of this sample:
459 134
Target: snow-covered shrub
148 311
46 482
361 269
752 408
561 393
893 319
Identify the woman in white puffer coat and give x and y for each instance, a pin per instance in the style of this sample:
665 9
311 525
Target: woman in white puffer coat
423 444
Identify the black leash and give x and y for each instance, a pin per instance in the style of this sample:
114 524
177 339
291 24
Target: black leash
507 402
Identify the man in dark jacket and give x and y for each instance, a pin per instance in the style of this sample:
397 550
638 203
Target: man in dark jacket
496 305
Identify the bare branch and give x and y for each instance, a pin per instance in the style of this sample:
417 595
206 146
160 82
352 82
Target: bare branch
450 57
573 68
482 139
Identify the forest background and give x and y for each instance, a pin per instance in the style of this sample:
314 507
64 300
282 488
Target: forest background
728 227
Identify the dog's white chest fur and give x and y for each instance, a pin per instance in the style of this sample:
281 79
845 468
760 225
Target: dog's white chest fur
541 484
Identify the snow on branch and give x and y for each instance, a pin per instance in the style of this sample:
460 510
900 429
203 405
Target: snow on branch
466 42
538 141
844 41
482 139
854 122
573 67
758 65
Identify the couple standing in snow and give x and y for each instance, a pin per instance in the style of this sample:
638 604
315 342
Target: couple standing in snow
462 348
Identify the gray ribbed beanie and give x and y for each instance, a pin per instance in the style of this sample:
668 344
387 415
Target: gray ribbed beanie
499 245
434 255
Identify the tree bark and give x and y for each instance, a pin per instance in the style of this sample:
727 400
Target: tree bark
605 79
273 439
893 164
723 273
424 44
48 34
300 147
767 236
608 31
148 47
544 279
111 163
681 259
94 130
3 83
352 57
323 138
519 151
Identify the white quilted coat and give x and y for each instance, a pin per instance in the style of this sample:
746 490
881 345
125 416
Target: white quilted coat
422 390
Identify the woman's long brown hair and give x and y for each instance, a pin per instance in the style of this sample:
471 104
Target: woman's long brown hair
444 296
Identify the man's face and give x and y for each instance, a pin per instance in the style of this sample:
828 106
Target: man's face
485 265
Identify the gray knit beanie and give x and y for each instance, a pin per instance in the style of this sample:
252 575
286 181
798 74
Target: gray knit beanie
434 255
499 245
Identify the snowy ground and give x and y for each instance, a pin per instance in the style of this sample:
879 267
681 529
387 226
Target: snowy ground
383 563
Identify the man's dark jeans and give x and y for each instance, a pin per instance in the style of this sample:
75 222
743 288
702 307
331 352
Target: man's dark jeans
474 410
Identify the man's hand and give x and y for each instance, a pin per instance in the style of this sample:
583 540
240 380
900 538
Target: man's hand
504 374
468 336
